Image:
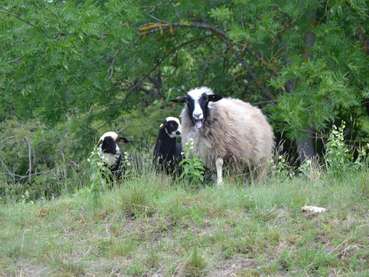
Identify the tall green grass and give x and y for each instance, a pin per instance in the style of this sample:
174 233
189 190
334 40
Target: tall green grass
149 224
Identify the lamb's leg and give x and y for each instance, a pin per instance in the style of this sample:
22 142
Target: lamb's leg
219 166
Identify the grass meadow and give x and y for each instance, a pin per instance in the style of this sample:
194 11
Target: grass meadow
150 226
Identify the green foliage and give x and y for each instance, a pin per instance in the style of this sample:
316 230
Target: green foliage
320 94
68 59
71 70
99 176
192 167
36 162
311 169
281 168
338 156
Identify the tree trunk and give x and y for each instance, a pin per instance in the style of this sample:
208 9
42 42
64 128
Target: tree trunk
305 146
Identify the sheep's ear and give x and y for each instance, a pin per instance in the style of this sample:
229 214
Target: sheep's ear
179 99
123 139
214 97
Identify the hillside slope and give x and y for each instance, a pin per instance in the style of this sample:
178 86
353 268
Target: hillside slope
151 228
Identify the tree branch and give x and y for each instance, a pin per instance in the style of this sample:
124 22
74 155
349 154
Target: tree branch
160 26
137 83
150 28
29 159
4 11
112 64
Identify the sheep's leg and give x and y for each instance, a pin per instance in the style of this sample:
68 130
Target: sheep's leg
219 166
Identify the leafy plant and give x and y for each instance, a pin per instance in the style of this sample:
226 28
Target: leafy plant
310 168
361 160
192 167
99 174
338 155
281 168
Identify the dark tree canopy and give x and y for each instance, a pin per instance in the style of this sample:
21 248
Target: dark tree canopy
88 66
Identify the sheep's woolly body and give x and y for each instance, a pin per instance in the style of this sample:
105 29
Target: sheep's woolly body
234 131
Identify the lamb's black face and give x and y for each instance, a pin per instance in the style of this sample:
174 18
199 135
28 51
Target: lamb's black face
172 127
197 105
109 145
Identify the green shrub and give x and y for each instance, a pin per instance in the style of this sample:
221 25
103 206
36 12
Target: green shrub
281 167
99 175
39 162
192 167
337 156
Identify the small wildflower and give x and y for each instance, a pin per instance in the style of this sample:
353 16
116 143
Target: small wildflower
282 168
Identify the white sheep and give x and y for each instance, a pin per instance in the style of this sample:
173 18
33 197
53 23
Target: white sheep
226 130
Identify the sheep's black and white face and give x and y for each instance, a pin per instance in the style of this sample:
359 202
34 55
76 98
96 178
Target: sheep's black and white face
197 101
108 143
172 127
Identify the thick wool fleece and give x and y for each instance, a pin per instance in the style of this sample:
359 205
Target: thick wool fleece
235 131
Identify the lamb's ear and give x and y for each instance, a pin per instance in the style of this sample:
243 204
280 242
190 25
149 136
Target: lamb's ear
179 99
214 97
123 139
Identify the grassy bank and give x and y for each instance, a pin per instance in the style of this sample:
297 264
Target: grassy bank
148 226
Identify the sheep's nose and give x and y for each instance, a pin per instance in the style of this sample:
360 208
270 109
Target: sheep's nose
197 115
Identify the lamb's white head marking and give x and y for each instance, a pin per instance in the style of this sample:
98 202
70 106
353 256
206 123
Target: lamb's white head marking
108 148
111 134
172 127
108 142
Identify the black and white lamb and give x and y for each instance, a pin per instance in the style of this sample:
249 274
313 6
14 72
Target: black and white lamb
110 153
167 152
226 131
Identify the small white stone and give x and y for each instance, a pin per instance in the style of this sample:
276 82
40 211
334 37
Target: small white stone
313 209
